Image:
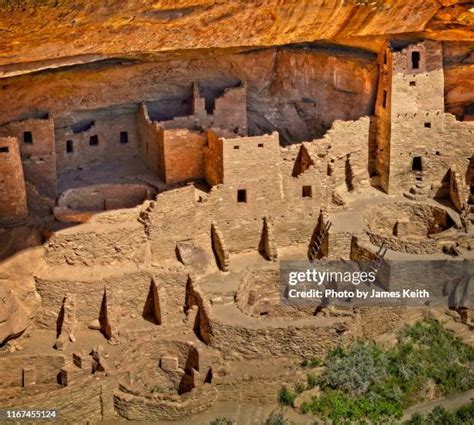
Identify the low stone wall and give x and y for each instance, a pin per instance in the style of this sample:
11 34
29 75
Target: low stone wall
38 369
97 244
403 245
79 204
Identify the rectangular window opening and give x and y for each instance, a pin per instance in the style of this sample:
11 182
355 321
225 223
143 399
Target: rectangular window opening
427 125
236 147
4 149
415 60
412 83
27 137
307 192
69 146
260 145
242 195
94 140
123 137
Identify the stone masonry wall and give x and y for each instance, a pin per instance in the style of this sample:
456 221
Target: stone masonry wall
446 143
46 369
230 110
37 147
183 155
13 205
110 144
383 112
97 244
150 142
128 294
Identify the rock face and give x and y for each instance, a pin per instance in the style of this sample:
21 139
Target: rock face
18 297
298 91
54 30
13 319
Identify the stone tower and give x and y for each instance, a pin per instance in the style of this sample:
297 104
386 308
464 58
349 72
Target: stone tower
13 202
410 114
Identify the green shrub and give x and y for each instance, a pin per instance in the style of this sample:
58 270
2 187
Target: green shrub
299 388
312 380
276 419
312 362
286 397
440 416
362 383
355 370
221 421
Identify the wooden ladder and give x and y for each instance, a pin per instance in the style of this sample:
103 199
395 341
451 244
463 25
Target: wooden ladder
378 259
318 242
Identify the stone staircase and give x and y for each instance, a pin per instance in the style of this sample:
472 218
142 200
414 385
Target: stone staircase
420 191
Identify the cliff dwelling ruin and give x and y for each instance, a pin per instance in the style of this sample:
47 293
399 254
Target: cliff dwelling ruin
146 205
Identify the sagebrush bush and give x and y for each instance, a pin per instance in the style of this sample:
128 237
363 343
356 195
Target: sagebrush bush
363 383
286 397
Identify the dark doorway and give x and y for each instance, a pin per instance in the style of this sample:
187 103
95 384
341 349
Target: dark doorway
415 60
417 164
69 146
27 137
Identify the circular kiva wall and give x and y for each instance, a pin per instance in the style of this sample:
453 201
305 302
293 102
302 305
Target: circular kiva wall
168 380
403 225
77 205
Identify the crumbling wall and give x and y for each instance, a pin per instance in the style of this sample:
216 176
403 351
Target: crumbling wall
104 138
230 110
97 244
219 247
46 369
91 399
349 151
150 141
37 147
421 88
127 295
172 218
144 407
13 205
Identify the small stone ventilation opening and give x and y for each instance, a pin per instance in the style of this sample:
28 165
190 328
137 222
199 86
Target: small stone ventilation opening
307 192
69 146
417 164
123 137
415 60
427 125
27 137
94 140
242 195
4 149
384 100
